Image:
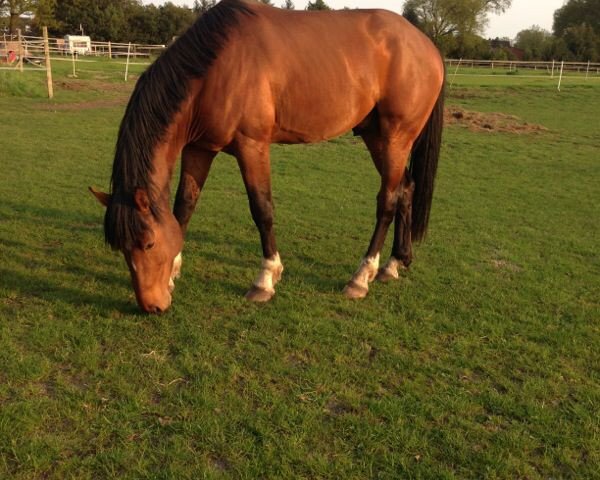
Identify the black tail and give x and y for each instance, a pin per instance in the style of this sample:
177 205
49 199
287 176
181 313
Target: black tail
423 166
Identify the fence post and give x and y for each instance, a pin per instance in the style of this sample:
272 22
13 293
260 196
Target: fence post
73 60
21 50
127 64
48 65
562 65
552 69
109 50
587 72
455 72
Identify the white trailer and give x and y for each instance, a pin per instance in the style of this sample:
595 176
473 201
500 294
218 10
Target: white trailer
79 44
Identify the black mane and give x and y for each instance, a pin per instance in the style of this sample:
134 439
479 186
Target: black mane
156 98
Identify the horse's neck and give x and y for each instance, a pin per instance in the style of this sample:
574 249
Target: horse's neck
167 151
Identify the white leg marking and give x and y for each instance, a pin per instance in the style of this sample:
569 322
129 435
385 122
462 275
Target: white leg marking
391 267
366 271
175 271
269 274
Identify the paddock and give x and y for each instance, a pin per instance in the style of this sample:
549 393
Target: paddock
481 361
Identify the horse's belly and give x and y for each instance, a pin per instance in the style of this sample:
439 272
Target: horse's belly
320 118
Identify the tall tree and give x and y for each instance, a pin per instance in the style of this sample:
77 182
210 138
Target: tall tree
288 5
173 21
577 25
410 13
142 24
577 12
535 42
14 9
44 15
318 5
582 41
440 19
202 6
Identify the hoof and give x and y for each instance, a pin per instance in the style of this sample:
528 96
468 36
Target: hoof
354 291
259 295
385 275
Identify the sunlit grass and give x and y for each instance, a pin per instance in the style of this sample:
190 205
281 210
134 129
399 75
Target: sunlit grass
481 362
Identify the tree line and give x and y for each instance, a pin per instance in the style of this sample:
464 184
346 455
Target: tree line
115 20
455 26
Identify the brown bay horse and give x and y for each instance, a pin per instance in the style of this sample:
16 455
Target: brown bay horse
247 75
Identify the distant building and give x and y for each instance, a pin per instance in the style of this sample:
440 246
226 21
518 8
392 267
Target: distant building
504 44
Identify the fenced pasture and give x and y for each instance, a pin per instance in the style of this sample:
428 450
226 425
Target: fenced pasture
482 361
557 73
26 54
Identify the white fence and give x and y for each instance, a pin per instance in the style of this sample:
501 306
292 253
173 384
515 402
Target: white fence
552 70
59 47
27 53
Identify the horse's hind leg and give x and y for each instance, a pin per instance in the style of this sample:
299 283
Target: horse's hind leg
253 160
390 156
402 247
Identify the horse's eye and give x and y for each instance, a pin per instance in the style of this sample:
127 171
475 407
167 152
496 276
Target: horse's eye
149 246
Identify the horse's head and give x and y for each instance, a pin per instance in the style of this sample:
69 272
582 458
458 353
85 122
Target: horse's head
152 249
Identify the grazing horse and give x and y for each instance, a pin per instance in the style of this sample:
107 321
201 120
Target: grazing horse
247 75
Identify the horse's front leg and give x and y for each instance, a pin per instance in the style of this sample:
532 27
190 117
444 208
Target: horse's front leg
254 163
195 165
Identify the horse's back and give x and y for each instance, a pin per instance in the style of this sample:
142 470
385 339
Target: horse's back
314 75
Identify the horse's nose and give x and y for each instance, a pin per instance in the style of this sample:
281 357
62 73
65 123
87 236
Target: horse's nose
155 309
156 304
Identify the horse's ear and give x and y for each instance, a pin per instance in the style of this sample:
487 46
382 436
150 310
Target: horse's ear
142 201
103 198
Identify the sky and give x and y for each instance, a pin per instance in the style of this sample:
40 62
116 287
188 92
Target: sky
523 13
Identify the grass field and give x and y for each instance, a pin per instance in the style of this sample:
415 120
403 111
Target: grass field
483 361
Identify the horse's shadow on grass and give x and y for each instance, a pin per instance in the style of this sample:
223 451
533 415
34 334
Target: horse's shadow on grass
52 273
241 254
32 286
246 255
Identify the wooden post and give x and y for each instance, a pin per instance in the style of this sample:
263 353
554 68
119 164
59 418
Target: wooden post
109 50
20 50
587 72
48 65
552 69
127 64
562 65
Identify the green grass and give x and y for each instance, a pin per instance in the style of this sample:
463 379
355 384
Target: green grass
481 362
505 78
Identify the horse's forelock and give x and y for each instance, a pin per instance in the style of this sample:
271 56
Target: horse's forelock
124 225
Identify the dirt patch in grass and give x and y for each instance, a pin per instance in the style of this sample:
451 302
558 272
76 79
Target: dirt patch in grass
114 94
88 105
505 265
490 122
75 85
